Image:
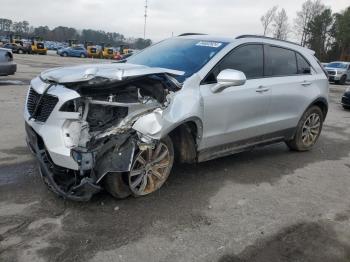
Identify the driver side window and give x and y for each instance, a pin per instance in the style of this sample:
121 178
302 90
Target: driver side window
248 58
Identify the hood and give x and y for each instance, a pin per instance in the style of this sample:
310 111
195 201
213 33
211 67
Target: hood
342 70
112 71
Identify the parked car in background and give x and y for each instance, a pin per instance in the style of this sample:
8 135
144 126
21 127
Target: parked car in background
75 51
190 98
345 100
7 65
338 72
324 64
18 49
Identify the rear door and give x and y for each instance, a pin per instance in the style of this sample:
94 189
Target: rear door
238 113
291 83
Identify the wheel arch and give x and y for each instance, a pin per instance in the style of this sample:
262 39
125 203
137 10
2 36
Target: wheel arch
186 137
322 103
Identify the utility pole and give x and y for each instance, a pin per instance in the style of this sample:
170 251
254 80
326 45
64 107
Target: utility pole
144 26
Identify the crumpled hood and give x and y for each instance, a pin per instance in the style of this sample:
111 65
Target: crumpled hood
112 71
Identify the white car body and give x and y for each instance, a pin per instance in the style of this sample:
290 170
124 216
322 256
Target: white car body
259 111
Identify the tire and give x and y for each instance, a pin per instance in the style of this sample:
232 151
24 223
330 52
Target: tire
346 107
64 54
20 51
150 174
116 184
82 55
342 80
302 141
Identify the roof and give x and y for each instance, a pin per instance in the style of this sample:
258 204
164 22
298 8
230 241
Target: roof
257 38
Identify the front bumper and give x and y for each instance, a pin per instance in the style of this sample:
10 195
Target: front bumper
333 78
116 155
57 178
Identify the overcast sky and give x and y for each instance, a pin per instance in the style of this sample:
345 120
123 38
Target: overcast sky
222 17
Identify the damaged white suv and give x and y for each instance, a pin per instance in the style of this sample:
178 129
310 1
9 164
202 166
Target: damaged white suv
189 99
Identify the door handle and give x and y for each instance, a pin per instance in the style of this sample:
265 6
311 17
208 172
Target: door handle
262 89
306 83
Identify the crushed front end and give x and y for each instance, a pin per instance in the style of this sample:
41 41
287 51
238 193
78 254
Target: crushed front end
80 128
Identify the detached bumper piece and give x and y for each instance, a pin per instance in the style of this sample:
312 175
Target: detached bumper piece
69 184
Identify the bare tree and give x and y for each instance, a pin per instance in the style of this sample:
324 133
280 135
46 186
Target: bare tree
310 9
268 18
281 26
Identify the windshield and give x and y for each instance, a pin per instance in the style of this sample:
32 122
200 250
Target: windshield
186 55
337 65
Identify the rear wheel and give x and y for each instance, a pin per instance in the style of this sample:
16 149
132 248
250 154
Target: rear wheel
20 51
82 55
308 130
151 168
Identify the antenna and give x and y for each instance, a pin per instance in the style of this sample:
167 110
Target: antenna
144 26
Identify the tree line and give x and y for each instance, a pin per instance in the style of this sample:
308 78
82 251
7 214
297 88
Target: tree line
315 27
63 34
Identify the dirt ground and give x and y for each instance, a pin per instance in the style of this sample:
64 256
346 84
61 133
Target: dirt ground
270 204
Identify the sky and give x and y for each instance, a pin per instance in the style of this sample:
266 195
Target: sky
165 17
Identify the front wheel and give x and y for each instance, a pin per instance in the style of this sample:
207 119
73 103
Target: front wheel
308 130
82 55
65 54
151 168
20 51
342 80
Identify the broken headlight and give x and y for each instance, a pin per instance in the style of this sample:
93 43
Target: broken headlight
74 105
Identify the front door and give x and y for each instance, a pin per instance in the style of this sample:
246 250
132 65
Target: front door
236 115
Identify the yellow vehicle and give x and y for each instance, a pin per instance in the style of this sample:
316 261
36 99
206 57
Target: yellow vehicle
38 47
94 51
108 52
124 50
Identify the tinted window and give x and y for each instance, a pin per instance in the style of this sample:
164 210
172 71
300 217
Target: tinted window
186 55
279 61
303 65
248 59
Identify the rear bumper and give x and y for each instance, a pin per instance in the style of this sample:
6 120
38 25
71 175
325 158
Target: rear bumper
8 68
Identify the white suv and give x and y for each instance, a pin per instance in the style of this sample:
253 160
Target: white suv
190 98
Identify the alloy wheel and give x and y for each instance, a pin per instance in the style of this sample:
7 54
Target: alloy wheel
311 129
150 169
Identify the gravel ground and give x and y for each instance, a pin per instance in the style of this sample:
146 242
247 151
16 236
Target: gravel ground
270 204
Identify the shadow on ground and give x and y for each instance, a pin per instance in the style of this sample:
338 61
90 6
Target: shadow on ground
303 242
95 226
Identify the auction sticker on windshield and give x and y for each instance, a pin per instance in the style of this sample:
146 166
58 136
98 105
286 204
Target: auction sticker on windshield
209 44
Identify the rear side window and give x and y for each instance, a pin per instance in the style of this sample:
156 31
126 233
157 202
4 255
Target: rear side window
248 59
279 61
303 65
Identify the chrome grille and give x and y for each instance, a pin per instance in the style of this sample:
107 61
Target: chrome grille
44 109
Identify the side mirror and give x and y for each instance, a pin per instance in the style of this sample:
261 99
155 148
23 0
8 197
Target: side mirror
227 78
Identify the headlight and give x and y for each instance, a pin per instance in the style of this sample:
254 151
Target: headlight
75 105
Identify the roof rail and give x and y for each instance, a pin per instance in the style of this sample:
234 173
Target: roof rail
266 37
185 34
